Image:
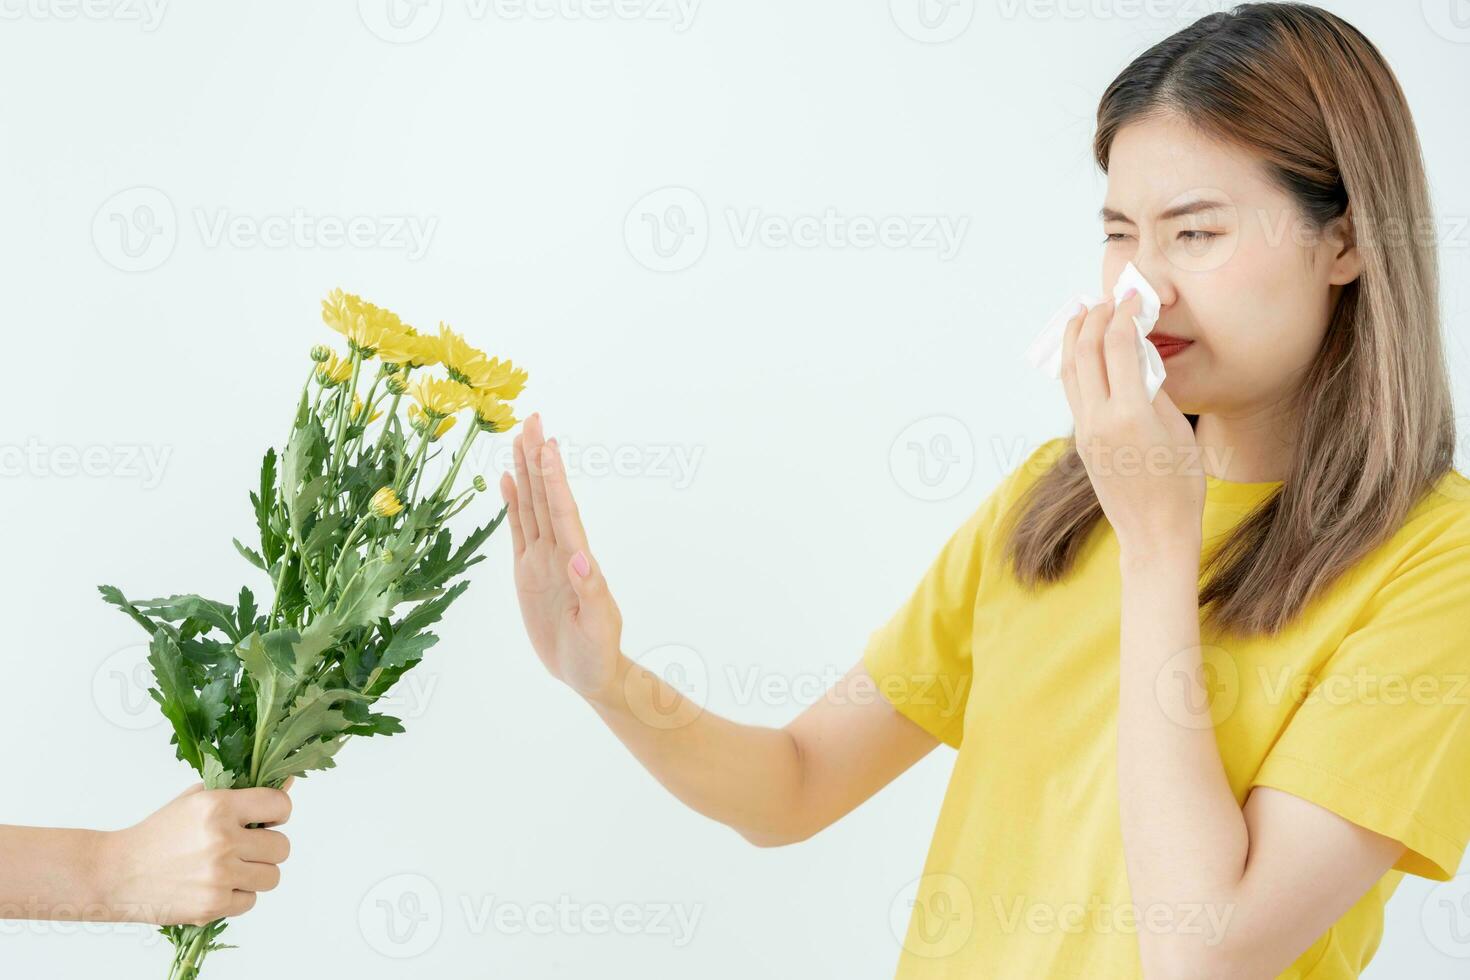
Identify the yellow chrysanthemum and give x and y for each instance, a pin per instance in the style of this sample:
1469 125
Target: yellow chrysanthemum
364 325
357 412
408 346
385 503
419 422
333 372
492 414
438 397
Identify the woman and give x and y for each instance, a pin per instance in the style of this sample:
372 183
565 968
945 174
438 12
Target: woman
1203 658
195 860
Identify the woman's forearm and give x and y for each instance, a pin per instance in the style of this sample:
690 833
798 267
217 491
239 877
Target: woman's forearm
1184 835
50 873
745 776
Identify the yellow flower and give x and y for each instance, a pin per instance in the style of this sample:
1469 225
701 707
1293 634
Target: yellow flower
419 421
357 413
333 372
438 398
492 414
503 380
385 503
471 366
407 346
364 325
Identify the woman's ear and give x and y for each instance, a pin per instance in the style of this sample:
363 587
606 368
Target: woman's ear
1341 241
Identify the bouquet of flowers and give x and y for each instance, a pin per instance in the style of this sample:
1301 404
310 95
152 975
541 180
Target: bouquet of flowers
359 555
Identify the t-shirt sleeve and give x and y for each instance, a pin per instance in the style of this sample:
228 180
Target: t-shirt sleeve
920 658
1383 737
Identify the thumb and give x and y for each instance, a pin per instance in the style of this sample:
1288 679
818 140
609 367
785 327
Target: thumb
196 788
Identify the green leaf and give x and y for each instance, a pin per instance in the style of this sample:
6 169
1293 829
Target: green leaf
176 696
112 594
245 610
315 755
182 608
314 715
378 725
323 533
214 704
216 776
251 556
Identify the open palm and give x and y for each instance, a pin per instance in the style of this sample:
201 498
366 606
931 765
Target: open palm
570 615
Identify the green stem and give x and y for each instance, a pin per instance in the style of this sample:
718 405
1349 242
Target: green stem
346 546
459 458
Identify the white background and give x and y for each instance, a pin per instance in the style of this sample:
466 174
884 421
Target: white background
838 411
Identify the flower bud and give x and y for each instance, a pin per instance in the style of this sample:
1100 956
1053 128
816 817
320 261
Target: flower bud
385 503
397 384
320 353
480 483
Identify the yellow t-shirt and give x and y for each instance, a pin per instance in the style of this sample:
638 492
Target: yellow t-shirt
1025 875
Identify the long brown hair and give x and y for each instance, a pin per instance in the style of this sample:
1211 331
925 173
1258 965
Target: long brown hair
1315 101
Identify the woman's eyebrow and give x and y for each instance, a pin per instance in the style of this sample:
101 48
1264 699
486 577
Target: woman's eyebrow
1177 211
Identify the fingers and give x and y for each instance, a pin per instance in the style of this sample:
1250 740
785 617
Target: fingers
512 510
252 877
586 576
1069 361
270 807
240 903
534 440
264 847
566 521
1092 375
523 493
1120 353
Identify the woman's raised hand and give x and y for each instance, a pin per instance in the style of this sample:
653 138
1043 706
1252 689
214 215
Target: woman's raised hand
571 618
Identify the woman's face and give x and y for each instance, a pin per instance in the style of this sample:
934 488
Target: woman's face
1240 274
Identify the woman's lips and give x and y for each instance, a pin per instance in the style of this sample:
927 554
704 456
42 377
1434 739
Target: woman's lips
1168 346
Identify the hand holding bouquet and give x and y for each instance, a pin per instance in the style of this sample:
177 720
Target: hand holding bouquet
359 556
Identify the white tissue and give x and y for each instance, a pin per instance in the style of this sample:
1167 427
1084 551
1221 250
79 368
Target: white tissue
1045 351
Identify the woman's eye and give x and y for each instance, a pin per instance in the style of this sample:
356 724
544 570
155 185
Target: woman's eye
1114 237
1195 235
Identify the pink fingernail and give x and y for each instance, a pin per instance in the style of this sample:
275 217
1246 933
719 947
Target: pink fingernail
580 565
1132 292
